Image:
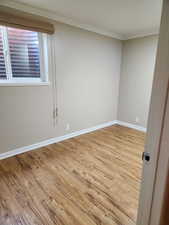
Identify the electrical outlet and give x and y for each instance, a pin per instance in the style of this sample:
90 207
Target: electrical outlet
67 126
137 119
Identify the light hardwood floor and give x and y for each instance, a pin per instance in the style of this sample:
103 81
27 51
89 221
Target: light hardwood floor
93 179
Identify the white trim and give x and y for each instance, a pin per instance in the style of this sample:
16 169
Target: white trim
25 81
153 202
7 83
57 17
133 126
6 51
43 50
142 35
72 22
54 140
67 136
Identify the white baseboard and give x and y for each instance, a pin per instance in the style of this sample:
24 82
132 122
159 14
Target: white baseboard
133 126
67 136
54 140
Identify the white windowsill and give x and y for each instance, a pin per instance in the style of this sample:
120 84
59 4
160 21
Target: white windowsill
22 83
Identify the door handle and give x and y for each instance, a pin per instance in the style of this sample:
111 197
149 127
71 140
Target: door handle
146 156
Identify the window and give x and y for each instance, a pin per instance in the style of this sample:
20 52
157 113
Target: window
21 56
2 59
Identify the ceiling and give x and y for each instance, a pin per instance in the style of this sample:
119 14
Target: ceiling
123 19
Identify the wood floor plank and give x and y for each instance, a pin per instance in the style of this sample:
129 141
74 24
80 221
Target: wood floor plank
93 179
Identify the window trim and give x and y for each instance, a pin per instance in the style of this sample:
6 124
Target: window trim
22 81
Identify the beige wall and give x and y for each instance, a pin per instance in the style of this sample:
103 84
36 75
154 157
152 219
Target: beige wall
90 89
87 72
138 61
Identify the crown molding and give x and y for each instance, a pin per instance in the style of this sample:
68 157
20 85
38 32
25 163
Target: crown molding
143 34
63 19
60 18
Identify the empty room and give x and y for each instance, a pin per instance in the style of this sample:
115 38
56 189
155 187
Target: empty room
76 81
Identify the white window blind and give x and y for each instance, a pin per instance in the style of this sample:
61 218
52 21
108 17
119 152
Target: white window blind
2 59
22 56
24 53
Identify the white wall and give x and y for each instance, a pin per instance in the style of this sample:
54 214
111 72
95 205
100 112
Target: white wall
138 62
87 73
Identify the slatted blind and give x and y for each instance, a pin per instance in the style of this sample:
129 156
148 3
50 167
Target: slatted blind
2 59
24 53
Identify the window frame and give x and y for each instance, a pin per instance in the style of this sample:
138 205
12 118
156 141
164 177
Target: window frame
23 81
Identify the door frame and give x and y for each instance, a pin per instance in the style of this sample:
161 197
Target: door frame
155 172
